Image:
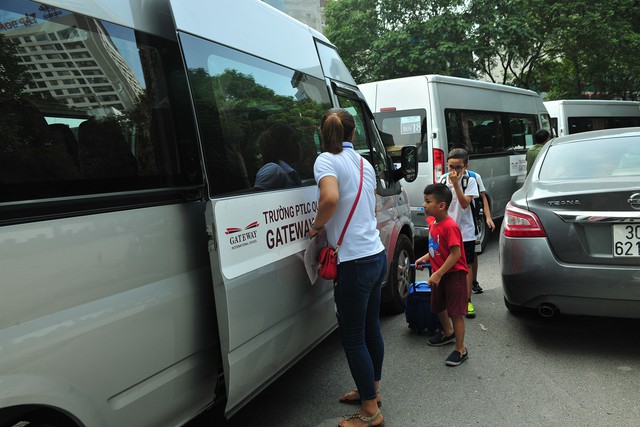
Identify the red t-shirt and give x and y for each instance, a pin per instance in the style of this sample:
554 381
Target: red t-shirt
442 236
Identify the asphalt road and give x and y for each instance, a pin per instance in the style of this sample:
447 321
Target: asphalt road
522 370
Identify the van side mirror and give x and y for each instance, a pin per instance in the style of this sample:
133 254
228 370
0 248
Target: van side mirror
409 163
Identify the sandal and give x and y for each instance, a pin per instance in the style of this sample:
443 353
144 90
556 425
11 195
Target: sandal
357 400
368 420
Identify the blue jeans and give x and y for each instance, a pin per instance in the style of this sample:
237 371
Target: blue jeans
357 297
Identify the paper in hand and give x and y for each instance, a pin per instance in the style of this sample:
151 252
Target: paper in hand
311 256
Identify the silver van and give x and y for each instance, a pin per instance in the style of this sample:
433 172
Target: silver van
151 266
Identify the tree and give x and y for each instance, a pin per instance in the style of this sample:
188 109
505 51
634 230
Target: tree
598 46
567 48
13 76
396 38
512 38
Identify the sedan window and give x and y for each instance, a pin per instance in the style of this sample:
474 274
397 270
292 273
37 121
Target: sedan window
600 158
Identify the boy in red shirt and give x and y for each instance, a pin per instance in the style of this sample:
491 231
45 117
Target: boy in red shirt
448 280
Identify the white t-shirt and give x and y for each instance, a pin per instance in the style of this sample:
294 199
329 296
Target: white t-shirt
481 188
464 217
362 238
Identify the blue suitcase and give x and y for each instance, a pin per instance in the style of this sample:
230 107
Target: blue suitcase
418 309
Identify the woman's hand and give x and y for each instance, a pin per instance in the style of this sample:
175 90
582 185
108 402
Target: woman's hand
315 232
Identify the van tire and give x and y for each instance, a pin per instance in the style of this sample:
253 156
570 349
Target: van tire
394 294
483 232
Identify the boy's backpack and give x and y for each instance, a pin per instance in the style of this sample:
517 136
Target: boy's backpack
476 203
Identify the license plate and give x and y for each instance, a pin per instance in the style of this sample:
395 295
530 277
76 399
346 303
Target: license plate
626 240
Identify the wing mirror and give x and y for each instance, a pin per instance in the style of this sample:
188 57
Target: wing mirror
409 164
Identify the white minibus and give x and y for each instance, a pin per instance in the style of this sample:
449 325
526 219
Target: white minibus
582 115
494 123
156 188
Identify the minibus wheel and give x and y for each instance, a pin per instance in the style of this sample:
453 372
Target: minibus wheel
400 277
483 234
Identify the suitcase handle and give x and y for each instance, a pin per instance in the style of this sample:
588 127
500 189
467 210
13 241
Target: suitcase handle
421 266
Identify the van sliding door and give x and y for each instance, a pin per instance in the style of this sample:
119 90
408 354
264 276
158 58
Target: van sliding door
257 125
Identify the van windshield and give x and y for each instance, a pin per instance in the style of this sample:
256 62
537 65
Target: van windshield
407 127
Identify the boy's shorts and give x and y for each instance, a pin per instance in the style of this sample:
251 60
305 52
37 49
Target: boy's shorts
470 251
451 294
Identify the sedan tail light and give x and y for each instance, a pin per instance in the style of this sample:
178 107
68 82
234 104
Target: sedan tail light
521 223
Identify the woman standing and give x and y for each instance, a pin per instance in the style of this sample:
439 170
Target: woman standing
362 259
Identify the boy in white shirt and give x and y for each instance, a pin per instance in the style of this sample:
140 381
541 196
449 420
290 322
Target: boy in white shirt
475 287
464 189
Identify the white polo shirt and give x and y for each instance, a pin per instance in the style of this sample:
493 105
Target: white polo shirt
362 238
464 217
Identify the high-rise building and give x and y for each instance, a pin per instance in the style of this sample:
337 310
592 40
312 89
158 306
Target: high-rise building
81 69
311 12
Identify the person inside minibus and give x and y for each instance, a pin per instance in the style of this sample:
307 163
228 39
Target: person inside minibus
280 149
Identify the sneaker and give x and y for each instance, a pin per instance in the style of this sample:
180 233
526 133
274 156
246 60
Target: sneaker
456 358
476 288
471 311
440 339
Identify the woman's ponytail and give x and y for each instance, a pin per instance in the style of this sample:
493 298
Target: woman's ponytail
336 126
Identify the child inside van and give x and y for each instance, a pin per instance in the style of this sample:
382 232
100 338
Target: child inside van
448 280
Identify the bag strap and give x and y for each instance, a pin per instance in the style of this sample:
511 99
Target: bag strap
355 203
464 181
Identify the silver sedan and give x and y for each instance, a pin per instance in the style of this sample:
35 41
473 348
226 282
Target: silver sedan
570 238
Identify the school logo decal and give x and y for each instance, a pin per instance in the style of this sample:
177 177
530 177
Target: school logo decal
240 237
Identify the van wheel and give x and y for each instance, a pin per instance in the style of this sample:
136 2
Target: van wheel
400 277
483 232
40 418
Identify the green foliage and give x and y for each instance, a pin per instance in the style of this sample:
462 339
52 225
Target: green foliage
396 38
13 76
568 48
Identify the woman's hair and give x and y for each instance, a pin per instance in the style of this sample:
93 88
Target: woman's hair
336 126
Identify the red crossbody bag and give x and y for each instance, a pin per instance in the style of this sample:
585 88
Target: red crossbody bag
328 256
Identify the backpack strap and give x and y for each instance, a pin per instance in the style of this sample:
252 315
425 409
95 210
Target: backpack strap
464 181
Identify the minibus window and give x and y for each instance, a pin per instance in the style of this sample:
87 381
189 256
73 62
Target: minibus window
366 141
585 124
487 132
332 65
257 120
522 127
98 120
408 127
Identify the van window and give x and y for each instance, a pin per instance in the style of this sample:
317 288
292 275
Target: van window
408 127
257 120
65 134
486 132
585 124
366 141
521 130
332 64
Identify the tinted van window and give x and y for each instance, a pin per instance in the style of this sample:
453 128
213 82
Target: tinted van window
257 120
87 108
